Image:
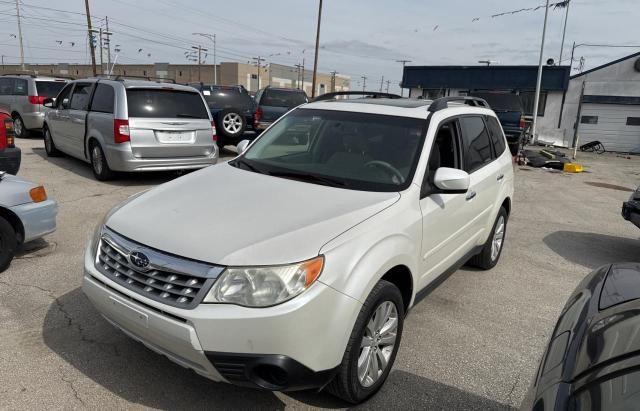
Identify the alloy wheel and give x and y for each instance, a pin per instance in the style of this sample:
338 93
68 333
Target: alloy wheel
498 237
232 123
96 159
18 127
378 343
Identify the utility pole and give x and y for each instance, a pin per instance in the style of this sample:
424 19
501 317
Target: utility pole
89 30
539 82
20 34
212 38
564 31
258 61
381 83
108 34
388 85
404 62
315 61
298 67
364 82
333 81
101 51
200 50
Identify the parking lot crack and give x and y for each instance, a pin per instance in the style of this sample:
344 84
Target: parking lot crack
74 389
516 380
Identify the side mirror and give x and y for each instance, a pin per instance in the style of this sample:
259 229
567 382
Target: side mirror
49 102
65 103
242 146
451 180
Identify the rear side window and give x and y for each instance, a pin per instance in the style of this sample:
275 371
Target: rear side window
22 87
6 86
158 103
103 99
477 146
80 97
497 137
49 89
219 97
282 98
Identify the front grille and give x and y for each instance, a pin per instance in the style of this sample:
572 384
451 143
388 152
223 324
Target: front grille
161 277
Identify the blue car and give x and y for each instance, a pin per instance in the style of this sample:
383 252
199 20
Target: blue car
26 214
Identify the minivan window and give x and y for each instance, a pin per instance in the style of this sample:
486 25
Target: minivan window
497 138
477 147
103 99
22 87
160 103
63 94
282 98
6 86
49 89
80 97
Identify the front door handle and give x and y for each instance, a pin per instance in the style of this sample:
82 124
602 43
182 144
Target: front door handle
471 195
500 177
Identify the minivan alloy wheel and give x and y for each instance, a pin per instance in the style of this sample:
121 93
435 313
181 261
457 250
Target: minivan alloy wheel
96 157
498 237
377 343
18 127
232 123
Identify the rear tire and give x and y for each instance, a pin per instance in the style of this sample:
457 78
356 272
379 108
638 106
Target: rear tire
49 145
369 356
99 164
492 249
8 244
230 124
19 129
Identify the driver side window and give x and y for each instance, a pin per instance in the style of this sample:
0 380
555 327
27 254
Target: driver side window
64 94
445 152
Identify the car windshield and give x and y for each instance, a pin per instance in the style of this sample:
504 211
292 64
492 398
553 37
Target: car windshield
501 101
283 98
359 151
49 89
159 103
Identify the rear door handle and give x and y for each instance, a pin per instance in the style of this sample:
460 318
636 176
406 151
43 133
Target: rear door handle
500 177
471 195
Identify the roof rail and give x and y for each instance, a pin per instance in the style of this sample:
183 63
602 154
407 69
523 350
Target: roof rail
19 73
364 94
156 79
443 102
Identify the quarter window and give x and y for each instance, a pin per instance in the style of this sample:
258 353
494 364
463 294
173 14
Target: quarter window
103 99
497 137
80 97
477 146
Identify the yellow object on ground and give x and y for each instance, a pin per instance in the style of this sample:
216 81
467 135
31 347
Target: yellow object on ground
573 168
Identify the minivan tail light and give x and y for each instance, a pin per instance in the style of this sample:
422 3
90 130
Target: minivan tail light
522 123
257 117
120 131
37 99
215 134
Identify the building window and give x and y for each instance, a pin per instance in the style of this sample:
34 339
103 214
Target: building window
432 94
254 77
528 100
144 72
633 121
589 120
124 72
180 73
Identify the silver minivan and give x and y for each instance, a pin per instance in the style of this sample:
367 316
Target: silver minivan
131 125
22 96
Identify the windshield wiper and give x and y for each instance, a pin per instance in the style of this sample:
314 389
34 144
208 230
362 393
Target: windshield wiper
184 115
311 178
244 163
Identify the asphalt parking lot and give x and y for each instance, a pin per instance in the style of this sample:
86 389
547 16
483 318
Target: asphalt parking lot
473 343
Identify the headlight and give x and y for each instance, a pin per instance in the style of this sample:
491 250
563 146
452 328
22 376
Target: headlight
264 286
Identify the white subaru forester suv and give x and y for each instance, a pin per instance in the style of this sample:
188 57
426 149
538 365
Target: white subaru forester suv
294 265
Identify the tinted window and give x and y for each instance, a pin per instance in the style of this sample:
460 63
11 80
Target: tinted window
103 99
49 89
63 94
501 101
528 101
22 87
165 103
497 137
477 147
282 98
589 120
6 86
633 121
80 97
224 97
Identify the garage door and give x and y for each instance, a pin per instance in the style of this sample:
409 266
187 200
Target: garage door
617 126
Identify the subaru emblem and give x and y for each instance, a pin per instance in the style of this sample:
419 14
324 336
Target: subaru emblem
139 260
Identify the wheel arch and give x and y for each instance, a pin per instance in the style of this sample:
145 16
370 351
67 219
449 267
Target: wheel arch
15 222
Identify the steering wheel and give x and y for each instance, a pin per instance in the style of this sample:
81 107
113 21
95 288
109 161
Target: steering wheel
387 167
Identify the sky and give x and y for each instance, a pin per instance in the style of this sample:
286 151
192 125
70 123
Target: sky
358 37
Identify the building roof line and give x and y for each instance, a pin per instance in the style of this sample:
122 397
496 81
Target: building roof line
630 56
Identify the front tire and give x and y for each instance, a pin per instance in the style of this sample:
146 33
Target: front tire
99 164
49 145
372 347
8 243
492 249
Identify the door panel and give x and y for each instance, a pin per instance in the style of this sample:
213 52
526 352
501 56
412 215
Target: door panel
75 125
57 120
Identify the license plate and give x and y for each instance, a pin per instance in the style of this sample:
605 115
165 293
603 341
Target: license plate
174 137
130 313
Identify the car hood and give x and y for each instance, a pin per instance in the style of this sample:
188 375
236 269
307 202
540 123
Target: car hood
225 215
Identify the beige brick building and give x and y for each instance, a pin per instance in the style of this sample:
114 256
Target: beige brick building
247 75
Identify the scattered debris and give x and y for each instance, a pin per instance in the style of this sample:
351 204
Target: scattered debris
594 147
573 168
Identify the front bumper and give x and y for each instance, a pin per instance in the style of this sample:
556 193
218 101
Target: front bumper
10 159
631 212
33 121
121 158
303 339
38 219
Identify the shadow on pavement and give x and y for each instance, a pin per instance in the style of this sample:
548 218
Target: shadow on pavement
592 250
75 331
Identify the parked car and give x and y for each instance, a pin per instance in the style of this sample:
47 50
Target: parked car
591 361
10 155
631 208
232 109
274 102
131 125
22 96
509 109
26 214
337 220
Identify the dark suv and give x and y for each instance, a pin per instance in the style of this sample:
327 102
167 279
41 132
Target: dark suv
274 102
232 109
508 108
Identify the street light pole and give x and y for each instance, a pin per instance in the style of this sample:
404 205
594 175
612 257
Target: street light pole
539 81
315 61
564 31
404 62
